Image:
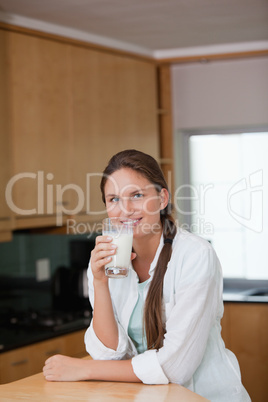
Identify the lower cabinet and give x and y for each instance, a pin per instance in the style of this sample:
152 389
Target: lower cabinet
16 364
245 333
29 360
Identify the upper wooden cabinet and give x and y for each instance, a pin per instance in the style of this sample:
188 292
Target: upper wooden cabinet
5 213
114 105
40 127
71 108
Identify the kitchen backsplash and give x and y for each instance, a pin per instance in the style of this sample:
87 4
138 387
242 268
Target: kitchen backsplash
18 257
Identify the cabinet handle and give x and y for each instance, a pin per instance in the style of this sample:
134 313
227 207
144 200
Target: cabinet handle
19 362
5 218
53 352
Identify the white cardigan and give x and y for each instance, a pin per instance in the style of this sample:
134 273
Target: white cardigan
193 353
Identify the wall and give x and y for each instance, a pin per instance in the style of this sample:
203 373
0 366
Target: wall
222 94
18 257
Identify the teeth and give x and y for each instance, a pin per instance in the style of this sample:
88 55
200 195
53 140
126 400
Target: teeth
134 220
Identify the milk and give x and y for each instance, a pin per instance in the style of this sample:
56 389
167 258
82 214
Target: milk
118 266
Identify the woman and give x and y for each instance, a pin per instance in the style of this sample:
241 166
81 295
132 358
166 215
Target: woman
161 324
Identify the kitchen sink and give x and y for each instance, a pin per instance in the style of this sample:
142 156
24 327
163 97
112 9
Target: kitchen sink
256 292
245 290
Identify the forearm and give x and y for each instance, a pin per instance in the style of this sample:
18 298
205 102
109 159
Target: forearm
112 370
104 323
65 368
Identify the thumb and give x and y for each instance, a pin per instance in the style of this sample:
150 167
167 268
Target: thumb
133 255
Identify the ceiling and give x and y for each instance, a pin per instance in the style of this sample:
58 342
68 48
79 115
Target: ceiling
152 24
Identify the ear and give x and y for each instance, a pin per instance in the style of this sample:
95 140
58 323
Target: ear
164 198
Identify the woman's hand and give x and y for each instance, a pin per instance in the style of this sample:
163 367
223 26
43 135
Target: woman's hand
64 368
101 255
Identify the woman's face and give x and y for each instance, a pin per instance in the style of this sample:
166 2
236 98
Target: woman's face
129 194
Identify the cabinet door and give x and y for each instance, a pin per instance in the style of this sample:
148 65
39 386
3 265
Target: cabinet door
225 324
16 364
114 100
5 213
71 108
70 345
40 128
74 344
43 350
29 360
246 329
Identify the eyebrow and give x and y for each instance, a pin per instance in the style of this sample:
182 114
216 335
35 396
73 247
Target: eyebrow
133 192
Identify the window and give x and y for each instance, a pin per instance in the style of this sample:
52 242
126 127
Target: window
228 199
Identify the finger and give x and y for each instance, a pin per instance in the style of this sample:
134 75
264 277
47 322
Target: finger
102 255
106 247
103 252
101 246
99 265
133 256
103 239
46 372
50 377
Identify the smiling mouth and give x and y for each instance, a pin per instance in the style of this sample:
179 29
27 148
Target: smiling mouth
136 221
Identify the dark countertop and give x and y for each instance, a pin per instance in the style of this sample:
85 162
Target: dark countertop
21 299
11 339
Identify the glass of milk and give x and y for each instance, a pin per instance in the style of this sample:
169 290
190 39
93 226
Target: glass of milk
121 230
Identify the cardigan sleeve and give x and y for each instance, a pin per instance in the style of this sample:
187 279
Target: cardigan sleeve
98 351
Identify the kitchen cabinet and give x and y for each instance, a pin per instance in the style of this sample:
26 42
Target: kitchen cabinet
72 107
39 84
16 364
74 344
245 332
114 105
28 360
5 213
166 123
43 350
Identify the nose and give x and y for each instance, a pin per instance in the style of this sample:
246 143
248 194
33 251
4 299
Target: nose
127 206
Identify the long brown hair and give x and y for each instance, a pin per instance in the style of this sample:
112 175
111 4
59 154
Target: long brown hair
149 168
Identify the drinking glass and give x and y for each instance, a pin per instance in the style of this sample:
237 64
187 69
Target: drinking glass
121 230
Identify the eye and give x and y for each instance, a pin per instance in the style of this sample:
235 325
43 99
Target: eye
114 199
137 196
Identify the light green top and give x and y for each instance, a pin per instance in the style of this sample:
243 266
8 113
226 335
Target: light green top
135 326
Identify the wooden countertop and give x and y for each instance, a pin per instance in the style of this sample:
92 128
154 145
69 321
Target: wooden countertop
36 388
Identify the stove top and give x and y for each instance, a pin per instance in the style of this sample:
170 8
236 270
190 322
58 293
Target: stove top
47 319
